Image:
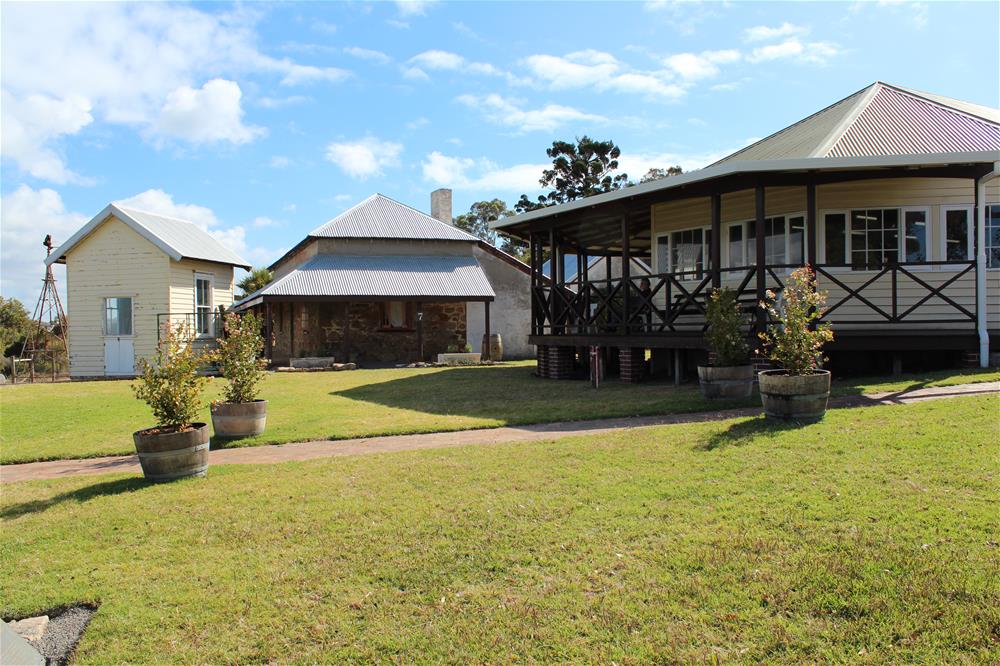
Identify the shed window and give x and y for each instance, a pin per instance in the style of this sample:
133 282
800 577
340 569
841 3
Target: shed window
397 316
117 316
204 324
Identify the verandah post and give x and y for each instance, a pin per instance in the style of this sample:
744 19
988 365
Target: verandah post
811 225
269 328
553 262
761 260
626 272
714 250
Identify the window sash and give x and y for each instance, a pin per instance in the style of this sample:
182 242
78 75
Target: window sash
992 222
118 316
957 235
203 305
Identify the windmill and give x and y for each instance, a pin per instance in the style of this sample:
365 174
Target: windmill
48 333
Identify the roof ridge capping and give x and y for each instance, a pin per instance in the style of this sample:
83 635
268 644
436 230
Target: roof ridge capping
383 224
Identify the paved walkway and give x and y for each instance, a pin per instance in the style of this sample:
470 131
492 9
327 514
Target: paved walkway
369 445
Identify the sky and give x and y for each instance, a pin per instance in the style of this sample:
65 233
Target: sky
261 121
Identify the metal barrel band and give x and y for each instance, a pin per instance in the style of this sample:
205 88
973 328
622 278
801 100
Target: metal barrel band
175 452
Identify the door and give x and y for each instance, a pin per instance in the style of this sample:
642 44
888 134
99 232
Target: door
119 348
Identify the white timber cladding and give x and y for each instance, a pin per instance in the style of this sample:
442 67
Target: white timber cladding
932 195
182 286
139 270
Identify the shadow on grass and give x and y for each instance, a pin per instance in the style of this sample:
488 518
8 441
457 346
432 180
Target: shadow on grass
104 489
743 433
516 396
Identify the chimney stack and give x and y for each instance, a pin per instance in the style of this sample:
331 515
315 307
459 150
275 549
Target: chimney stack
441 205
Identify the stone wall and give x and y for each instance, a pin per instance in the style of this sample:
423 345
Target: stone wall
317 329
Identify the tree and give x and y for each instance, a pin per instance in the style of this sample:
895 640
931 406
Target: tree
481 214
578 170
257 279
15 325
657 173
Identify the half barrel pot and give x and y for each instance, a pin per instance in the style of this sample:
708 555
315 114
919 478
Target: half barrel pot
794 397
726 382
165 456
232 420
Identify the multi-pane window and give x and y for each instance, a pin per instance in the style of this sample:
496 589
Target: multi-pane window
117 316
774 240
993 236
957 235
663 253
835 235
736 258
796 240
203 304
874 237
687 252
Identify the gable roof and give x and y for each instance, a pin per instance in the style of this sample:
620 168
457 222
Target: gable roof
178 239
379 216
882 120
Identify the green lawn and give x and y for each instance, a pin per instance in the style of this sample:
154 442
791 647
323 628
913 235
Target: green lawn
870 537
87 419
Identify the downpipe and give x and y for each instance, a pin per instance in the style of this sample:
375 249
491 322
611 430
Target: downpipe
984 336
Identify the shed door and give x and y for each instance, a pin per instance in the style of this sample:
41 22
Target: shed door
119 350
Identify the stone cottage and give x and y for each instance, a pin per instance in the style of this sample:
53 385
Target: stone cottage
384 283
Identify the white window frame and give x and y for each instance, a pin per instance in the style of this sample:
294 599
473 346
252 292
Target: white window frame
104 316
747 254
970 227
985 207
848 246
706 258
926 210
743 244
210 278
657 268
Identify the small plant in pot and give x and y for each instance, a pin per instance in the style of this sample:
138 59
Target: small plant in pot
241 413
731 374
171 385
800 389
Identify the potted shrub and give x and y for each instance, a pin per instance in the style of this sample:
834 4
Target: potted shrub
241 413
731 374
800 389
178 445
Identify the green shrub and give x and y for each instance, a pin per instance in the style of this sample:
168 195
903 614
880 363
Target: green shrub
171 385
792 342
239 359
725 334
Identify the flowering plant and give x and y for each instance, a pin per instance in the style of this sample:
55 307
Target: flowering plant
725 334
238 357
793 342
171 385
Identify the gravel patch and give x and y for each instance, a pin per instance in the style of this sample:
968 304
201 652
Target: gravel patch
63 633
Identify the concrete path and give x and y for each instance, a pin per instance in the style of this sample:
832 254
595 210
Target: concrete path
368 445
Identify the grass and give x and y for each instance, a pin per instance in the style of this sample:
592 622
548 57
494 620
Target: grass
870 537
88 419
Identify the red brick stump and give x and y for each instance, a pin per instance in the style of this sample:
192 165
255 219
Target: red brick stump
631 364
556 362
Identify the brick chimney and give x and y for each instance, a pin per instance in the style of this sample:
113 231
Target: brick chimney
441 205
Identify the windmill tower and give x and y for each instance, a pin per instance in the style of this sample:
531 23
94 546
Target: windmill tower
47 339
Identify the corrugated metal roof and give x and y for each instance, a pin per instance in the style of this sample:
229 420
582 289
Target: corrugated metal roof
333 275
894 122
882 120
379 216
179 239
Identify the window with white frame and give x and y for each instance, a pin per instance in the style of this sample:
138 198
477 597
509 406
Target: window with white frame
993 236
734 243
871 238
663 253
689 252
957 234
117 316
203 303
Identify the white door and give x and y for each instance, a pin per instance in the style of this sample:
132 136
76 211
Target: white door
119 348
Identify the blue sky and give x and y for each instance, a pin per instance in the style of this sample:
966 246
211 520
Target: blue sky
261 121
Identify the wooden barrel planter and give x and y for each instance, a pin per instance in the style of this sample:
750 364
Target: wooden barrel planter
493 347
726 382
165 456
794 397
239 419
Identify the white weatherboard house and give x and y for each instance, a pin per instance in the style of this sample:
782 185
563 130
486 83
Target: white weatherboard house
129 272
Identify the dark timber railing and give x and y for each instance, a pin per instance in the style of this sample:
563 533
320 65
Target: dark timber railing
895 294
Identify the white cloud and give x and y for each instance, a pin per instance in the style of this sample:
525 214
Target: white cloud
31 123
508 112
809 52
399 25
435 59
279 162
118 63
262 221
438 60
480 174
26 216
417 123
413 7
601 71
364 157
763 33
367 54
211 114
415 74
281 102
637 164
694 66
